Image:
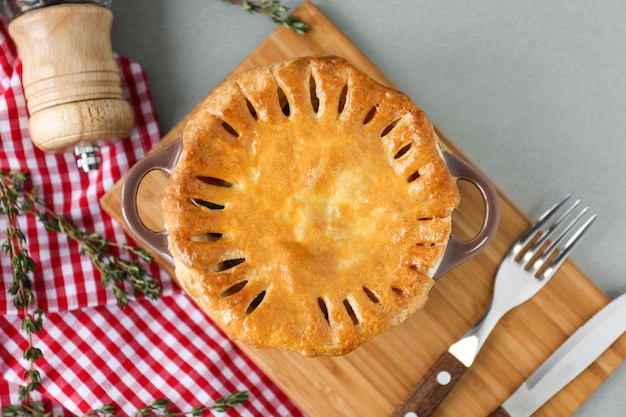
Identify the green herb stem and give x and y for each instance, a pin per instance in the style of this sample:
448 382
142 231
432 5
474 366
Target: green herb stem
158 407
22 266
275 11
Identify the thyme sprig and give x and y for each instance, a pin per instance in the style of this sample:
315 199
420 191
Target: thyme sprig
162 407
275 11
158 407
22 266
115 271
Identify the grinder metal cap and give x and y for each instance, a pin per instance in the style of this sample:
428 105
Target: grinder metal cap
15 8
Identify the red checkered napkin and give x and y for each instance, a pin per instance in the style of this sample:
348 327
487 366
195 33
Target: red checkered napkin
167 349
95 352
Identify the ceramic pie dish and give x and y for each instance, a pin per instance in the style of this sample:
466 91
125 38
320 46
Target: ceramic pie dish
308 208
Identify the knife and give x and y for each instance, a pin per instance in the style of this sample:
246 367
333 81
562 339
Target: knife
568 361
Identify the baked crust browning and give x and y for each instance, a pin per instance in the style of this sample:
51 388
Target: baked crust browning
308 206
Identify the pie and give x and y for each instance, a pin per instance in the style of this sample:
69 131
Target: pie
309 206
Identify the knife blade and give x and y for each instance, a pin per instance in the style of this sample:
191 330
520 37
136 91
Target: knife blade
568 361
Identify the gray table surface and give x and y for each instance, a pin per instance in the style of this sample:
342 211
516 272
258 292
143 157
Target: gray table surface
533 92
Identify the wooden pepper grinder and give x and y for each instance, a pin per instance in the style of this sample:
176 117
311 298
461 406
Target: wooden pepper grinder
71 79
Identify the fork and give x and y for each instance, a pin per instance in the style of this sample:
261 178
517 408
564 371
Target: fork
526 268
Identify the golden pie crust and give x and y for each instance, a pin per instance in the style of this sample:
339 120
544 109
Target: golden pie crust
308 206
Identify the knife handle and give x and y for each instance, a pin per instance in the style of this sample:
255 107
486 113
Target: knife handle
499 412
432 388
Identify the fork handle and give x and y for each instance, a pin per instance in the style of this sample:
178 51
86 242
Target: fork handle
434 386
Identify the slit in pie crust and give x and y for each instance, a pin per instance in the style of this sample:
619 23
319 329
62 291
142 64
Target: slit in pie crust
308 206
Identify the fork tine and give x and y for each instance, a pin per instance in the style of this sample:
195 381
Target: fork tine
556 242
541 220
545 235
567 248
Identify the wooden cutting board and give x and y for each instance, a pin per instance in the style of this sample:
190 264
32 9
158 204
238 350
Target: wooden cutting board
374 379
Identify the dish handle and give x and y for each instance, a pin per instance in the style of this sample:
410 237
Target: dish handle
163 159
459 251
